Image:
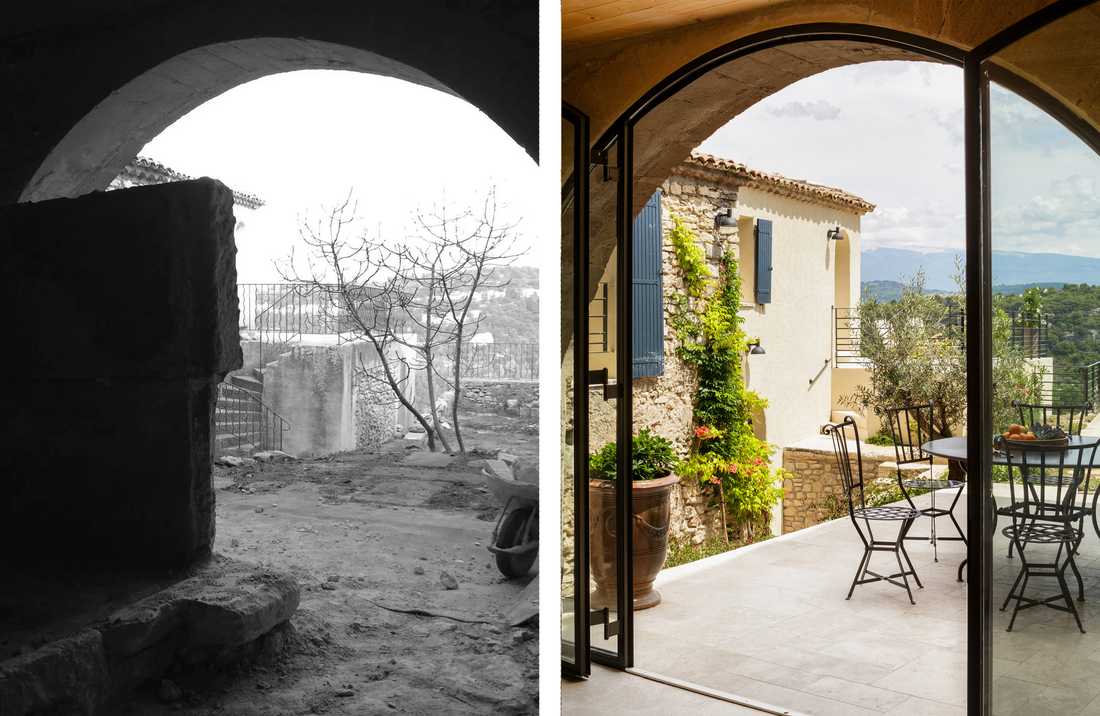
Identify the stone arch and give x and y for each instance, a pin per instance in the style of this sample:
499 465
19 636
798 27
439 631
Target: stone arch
90 94
98 146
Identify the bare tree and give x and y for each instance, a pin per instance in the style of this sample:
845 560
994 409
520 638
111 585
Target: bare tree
468 249
410 300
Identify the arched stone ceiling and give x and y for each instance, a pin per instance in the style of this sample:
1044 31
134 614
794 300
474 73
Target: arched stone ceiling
613 53
59 63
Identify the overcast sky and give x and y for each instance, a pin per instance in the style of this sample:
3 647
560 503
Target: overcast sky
891 132
302 139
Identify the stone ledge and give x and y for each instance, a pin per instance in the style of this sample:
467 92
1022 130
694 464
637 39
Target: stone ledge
824 444
223 606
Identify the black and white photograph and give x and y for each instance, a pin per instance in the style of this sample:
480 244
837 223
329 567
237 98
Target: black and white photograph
271 444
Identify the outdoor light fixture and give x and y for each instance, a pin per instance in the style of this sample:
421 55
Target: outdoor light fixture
834 234
755 349
724 221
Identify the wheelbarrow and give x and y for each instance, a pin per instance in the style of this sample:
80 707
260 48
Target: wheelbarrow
515 542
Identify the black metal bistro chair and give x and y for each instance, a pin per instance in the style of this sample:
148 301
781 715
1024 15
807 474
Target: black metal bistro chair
1049 485
1070 418
858 510
911 427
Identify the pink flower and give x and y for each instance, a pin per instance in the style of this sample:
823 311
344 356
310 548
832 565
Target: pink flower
732 468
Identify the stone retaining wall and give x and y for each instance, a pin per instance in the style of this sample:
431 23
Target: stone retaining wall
812 490
504 397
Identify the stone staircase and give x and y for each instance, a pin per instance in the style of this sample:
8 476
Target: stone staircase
243 423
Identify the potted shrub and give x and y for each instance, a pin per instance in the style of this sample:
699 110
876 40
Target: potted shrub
652 482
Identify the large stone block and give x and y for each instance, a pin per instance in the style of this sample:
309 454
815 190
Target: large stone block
108 471
133 283
122 312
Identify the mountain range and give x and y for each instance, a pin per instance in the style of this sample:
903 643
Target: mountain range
1009 268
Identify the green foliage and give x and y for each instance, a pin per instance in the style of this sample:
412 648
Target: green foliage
652 457
690 258
1032 308
725 452
881 438
916 353
685 552
1072 318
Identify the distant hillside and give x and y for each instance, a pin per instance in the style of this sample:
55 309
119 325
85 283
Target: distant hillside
1009 268
886 290
891 290
511 314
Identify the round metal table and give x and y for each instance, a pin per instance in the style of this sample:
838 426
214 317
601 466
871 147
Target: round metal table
955 449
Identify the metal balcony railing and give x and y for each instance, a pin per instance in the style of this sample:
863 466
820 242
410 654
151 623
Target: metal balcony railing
1061 384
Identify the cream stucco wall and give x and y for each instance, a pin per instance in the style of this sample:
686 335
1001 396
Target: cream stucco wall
795 329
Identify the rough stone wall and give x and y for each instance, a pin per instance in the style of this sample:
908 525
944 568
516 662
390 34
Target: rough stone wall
663 403
503 397
107 450
374 411
812 490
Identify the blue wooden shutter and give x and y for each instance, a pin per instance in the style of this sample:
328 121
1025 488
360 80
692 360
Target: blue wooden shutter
649 315
763 261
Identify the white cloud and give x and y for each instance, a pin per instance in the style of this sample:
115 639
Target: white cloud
897 140
820 110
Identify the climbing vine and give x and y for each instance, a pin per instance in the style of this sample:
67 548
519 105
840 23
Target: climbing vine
725 452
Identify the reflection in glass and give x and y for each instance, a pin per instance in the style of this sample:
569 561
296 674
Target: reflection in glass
1045 235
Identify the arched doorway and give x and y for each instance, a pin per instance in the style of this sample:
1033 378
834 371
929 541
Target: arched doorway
619 156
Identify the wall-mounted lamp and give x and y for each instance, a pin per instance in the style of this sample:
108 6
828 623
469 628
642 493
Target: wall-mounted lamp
724 221
834 234
755 349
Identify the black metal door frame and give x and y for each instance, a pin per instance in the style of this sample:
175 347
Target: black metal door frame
577 188
976 77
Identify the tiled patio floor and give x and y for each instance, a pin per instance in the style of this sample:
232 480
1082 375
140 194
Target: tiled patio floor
770 622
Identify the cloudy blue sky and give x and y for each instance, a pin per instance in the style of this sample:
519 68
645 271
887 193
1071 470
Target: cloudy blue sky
892 133
302 139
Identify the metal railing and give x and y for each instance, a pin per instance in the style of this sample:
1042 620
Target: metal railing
500 361
1060 385
244 422
1033 338
846 336
1090 384
281 313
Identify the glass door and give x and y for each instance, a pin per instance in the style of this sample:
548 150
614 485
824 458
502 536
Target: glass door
574 372
1041 225
596 380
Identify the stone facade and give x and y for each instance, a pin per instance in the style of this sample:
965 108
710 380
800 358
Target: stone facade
812 491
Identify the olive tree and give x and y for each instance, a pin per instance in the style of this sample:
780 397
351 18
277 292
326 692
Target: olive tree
914 349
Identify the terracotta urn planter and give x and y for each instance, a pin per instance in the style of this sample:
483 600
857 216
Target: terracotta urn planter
651 523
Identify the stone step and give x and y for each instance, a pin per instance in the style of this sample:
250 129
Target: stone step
224 439
249 383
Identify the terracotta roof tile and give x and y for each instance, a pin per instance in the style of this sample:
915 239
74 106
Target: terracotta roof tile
144 170
781 184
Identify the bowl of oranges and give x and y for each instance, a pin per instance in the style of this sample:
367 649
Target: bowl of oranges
1037 435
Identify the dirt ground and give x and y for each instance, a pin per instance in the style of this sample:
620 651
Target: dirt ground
368 539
